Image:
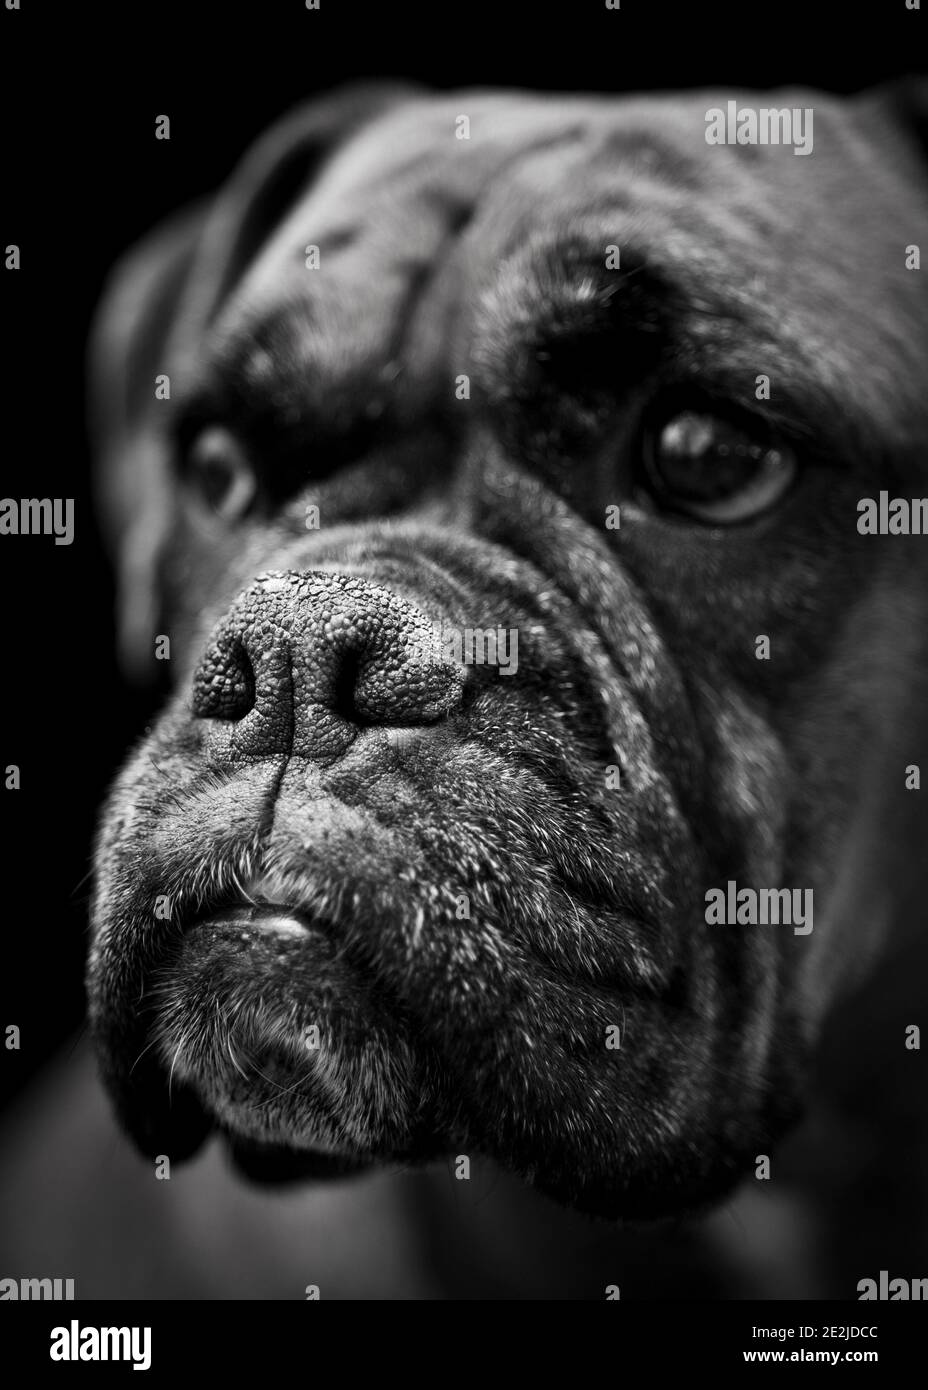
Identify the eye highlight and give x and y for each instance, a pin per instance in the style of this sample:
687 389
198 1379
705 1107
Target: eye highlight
714 470
216 469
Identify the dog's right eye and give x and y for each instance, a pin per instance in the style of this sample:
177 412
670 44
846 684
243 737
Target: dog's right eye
716 471
216 470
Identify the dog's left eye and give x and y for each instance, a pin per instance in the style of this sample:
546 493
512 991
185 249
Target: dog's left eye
217 470
714 470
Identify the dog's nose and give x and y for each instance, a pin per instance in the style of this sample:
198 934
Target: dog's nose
303 660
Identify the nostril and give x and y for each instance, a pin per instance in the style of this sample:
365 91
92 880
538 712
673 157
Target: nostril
406 691
224 685
345 680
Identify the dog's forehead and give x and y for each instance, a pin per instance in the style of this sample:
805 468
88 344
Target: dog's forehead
511 152
466 141
414 224
506 165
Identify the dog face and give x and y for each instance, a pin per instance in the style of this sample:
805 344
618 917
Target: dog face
360 897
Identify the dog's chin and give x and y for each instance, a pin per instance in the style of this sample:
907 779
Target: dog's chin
285 1046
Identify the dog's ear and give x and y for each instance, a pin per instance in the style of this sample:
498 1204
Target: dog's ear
131 473
159 298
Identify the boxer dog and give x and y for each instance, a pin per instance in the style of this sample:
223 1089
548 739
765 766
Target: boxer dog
559 370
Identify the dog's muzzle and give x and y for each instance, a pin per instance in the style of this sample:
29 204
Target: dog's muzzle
360 900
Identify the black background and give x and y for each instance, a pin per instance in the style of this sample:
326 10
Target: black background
84 177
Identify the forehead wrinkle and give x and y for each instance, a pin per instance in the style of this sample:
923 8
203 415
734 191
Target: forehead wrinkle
554 274
309 355
355 318
689 320
408 209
